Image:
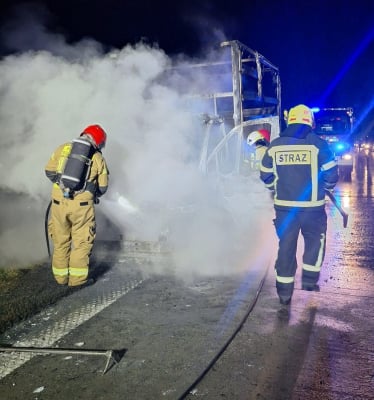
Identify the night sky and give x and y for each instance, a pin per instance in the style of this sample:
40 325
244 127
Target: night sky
324 49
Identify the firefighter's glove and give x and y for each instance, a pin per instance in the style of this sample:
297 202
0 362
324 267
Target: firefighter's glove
96 200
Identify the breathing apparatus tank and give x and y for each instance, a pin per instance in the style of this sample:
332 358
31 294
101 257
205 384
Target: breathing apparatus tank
77 167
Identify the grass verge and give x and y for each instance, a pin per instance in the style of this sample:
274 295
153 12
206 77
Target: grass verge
25 292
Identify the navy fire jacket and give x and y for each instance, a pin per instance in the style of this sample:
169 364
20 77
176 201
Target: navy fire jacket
298 166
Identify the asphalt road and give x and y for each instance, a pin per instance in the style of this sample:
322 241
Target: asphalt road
324 347
166 330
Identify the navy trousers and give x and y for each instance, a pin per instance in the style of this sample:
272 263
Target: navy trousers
288 224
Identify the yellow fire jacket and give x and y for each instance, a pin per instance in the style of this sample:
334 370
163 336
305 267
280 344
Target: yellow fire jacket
98 176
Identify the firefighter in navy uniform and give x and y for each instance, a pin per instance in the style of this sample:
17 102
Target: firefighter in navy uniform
298 167
72 225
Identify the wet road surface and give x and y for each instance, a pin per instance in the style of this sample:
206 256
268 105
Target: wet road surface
324 347
169 330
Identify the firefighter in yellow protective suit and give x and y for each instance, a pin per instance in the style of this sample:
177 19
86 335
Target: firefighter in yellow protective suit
72 225
260 139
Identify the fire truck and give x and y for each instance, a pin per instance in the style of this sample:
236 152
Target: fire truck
335 125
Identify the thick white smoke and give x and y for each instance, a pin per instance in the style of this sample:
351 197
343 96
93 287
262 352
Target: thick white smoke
49 95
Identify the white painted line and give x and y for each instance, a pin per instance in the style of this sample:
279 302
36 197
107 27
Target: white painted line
11 361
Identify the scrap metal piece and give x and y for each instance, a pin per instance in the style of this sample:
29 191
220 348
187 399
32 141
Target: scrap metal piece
111 355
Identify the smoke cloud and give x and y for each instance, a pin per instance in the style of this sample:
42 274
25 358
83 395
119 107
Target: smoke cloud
50 90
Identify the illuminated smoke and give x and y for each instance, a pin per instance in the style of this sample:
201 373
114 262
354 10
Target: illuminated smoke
49 93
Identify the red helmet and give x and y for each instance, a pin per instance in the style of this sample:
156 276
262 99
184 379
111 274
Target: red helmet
97 133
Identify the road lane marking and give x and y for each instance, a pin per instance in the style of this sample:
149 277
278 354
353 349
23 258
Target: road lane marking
11 361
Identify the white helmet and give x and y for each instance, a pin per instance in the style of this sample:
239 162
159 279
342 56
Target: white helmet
261 134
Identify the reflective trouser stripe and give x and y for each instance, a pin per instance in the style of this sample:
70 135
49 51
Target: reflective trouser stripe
61 274
285 279
285 286
312 268
78 276
60 271
311 271
321 250
79 271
